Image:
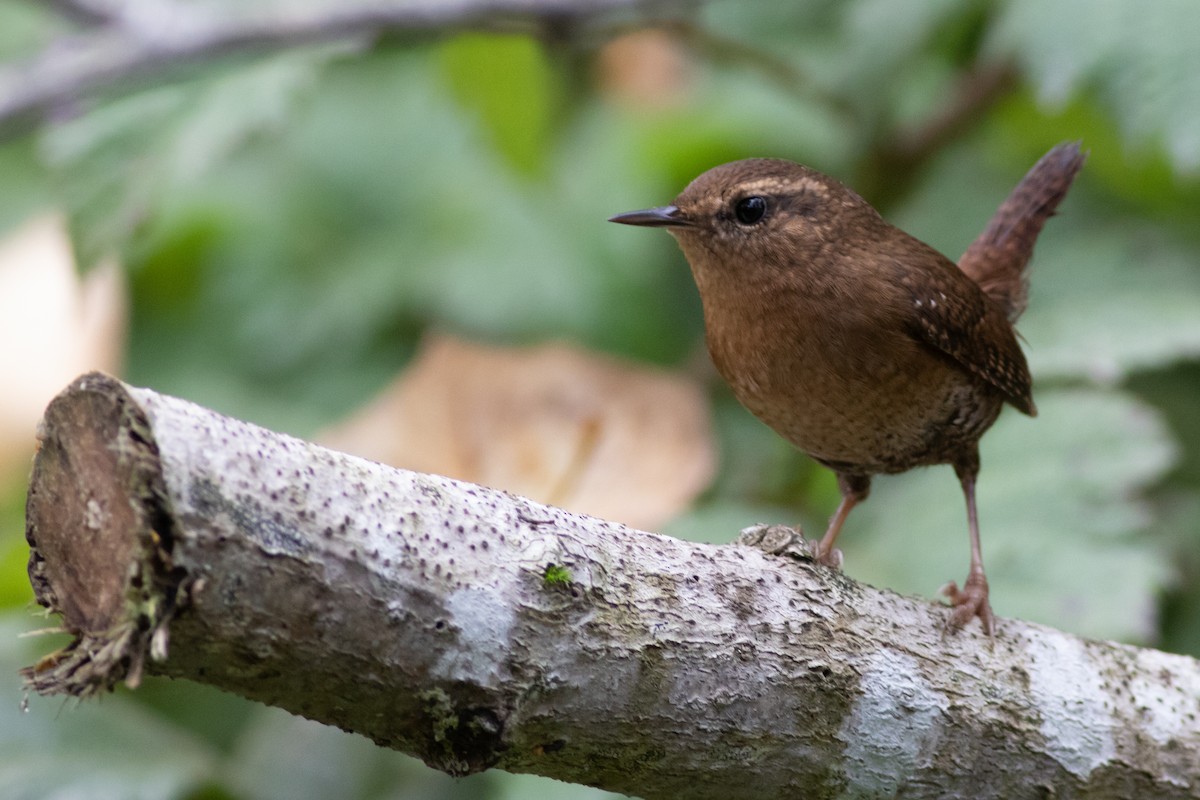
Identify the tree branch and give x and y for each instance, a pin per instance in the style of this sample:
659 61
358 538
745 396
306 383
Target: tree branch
897 156
141 38
86 12
476 629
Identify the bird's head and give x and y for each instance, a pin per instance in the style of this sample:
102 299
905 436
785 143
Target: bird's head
758 216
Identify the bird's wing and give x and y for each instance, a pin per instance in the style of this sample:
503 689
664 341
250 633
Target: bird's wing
951 314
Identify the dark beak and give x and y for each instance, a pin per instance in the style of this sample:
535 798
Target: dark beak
661 217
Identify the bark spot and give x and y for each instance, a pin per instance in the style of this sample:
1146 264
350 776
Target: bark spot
462 741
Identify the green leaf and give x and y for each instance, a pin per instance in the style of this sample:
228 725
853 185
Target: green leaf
1141 59
144 153
14 582
1174 391
1109 298
123 748
1063 523
1142 184
528 787
14 551
24 189
370 227
1181 612
25 28
885 35
65 749
507 81
280 756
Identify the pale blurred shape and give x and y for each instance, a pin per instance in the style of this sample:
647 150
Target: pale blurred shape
53 326
647 69
554 423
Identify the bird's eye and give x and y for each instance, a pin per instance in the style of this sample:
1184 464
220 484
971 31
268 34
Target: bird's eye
750 210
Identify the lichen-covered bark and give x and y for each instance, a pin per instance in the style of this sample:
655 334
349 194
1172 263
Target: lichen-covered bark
477 629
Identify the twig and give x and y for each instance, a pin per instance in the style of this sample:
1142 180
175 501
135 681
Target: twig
157 35
975 93
897 156
777 70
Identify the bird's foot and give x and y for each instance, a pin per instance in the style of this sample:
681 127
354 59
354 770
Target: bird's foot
969 602
782 540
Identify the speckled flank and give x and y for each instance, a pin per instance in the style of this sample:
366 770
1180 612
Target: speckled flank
1069 691
895 721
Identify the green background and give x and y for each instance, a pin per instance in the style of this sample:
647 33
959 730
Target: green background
291 222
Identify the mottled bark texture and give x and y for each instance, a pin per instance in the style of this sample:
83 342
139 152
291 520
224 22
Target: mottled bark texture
476 629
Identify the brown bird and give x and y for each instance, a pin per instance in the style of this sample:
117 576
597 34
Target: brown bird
861 345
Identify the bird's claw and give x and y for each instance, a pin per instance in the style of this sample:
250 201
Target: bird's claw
969 602
775 540
833 559
783 540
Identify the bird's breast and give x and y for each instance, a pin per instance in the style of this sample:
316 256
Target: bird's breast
850 391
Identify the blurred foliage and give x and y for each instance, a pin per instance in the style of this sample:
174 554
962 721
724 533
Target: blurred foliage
292 223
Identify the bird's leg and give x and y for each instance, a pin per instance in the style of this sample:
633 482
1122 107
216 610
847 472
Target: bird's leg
971 600
855 489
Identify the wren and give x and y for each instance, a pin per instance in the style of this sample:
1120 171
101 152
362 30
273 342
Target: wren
861 345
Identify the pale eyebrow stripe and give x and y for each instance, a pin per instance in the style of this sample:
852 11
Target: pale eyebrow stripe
773 186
